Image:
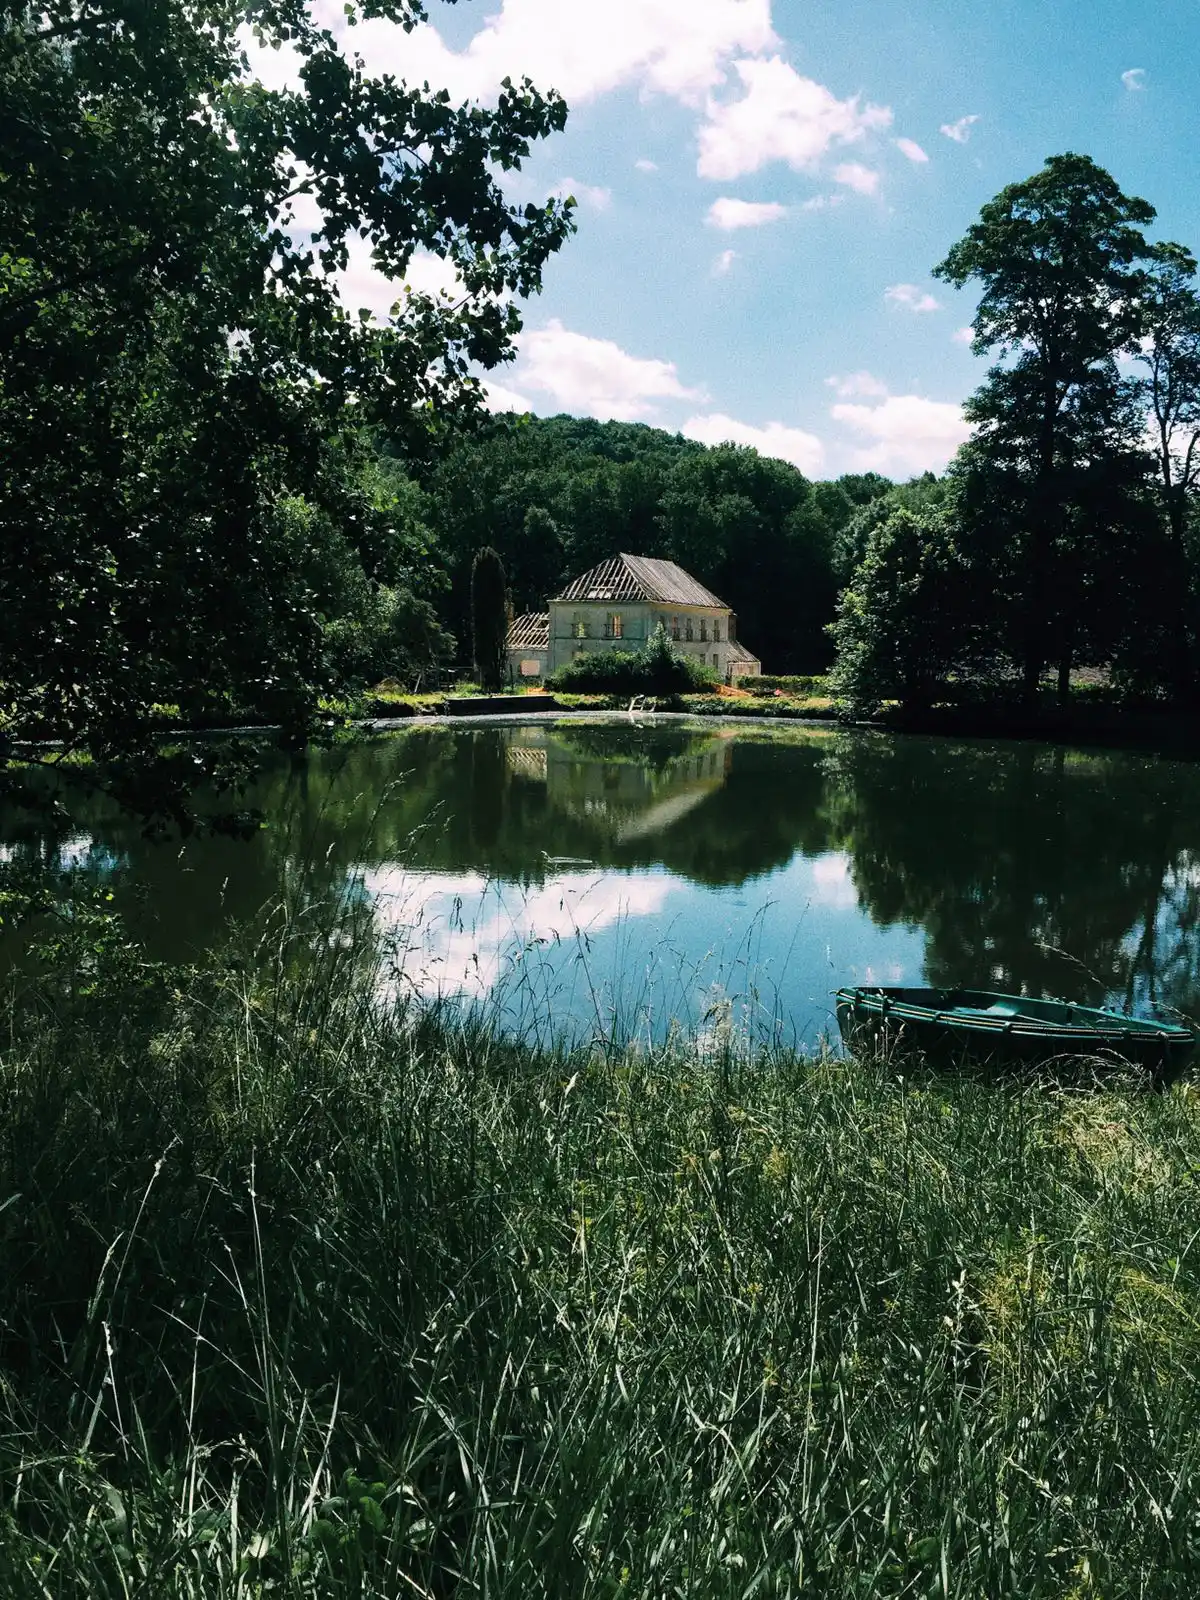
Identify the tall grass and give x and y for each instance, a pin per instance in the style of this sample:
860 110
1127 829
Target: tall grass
304 1297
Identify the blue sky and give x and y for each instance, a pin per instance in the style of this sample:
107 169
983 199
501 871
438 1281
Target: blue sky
764 185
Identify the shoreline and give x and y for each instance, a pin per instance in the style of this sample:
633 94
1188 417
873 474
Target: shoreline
1172 734
1169 733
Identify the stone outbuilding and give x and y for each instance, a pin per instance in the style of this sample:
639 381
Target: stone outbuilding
529 647
617 606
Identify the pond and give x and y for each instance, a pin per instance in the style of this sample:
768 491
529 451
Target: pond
615 878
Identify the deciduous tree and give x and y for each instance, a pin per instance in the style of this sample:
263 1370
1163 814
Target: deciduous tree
1057 259
1169 354
904 623
178 366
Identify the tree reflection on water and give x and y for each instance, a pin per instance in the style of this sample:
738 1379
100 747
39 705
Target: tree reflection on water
1024 867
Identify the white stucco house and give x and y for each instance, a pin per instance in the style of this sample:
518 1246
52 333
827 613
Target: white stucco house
617 606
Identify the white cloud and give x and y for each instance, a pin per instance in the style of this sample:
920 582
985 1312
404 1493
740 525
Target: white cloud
823 202
779 117
911 149
728 214
902 435
584 49
586 194
858 386
803 450
863 180
963 335
363 287
646 166
595 377
429 274
959 131
911 298
723 263
499 398
1134 79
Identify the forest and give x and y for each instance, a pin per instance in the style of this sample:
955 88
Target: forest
556 495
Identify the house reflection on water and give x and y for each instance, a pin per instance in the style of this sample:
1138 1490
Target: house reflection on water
627 795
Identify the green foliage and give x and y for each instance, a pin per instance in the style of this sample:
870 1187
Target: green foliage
305 1296
1168 306
489 618
904 623
926 493
659 669
178 373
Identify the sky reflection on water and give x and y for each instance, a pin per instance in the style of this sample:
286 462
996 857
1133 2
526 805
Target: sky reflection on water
631 953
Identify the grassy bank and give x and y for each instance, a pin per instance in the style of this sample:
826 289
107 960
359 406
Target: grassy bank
302 1297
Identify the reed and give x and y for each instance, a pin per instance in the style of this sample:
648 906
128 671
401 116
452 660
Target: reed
306 1296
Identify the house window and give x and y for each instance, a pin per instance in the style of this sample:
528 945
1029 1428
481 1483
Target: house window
703 630
716 659
675 627
614 627
580 628
689 630
716 631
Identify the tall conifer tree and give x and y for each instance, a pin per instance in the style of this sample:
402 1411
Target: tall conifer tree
489 617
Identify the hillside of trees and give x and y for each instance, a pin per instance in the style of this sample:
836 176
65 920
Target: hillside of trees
556 495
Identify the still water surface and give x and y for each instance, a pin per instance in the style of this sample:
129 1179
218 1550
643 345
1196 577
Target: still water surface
616 878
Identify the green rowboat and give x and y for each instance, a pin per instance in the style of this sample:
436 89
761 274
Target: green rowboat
1006 1028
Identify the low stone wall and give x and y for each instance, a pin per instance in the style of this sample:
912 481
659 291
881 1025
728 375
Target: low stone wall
495 705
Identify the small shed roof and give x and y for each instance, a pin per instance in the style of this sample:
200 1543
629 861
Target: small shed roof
530 631
738 652
626 577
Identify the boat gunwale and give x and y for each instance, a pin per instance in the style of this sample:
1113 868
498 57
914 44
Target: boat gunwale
876 1002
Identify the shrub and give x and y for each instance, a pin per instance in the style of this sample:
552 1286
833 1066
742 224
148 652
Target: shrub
658 669
390 631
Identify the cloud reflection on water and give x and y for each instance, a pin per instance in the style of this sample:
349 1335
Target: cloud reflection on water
467 935
623 953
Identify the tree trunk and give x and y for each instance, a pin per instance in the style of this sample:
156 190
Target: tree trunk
1181 656
1064 679
1031 676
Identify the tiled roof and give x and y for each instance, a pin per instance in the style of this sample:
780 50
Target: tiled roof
738 652
530 632
641 578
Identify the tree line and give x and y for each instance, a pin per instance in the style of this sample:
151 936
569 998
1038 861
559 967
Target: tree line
555 496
